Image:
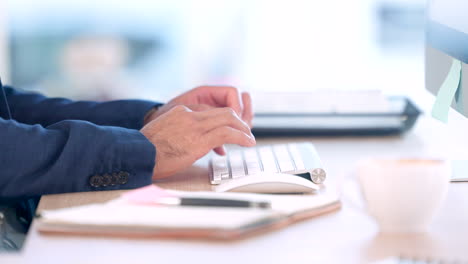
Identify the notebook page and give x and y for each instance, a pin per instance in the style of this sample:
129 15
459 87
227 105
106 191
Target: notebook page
120 213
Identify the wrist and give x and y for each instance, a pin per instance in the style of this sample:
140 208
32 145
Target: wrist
151 114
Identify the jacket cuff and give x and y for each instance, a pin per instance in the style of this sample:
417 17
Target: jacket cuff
137 110
128 164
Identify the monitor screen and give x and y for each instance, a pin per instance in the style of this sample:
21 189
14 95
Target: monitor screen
447 53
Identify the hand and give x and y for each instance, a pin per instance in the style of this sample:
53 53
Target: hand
211 96
182 136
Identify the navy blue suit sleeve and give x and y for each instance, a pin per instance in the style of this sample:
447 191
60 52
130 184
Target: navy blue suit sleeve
64 157
33 108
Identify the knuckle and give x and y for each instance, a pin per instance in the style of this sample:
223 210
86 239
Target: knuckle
181 108
232 119
185 115
178 108
229 111
236 120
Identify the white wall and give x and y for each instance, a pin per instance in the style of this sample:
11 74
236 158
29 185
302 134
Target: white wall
4 61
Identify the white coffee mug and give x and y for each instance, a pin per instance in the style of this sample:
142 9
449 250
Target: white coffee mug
403 195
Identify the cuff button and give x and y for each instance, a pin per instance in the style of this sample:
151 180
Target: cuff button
123 177
115 179
96 180
106 180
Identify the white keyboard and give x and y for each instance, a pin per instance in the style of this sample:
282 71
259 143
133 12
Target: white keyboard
300 159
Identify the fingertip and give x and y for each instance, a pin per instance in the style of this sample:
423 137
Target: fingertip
220 150
235 100
252 140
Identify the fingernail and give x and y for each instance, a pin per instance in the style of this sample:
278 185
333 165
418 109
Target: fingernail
252 138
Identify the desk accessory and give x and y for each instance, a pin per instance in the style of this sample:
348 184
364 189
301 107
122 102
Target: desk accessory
142 218
153 195
276 168
351 116
211 202
446 56
403 195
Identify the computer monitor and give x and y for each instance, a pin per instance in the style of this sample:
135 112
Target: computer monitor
447 52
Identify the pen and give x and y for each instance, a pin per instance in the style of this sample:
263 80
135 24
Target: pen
213 202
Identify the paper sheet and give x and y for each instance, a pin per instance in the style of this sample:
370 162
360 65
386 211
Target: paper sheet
121 215
447 92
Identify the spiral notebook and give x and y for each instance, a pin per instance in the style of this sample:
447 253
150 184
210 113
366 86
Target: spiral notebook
122 218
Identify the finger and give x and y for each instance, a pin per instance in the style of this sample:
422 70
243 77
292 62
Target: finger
228 135
222 96
220 150
199 107
247 113
218 117
233 100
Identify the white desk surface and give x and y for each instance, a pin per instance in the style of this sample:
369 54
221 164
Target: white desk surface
345 236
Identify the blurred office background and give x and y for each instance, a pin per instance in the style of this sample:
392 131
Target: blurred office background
108 49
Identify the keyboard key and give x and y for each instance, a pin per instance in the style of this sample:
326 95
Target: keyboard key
283 158
309 156
268 160
220 168
252 170
251 155
238 174
251 161
281 152
237 164
286 166
296 157
225 176
219 162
